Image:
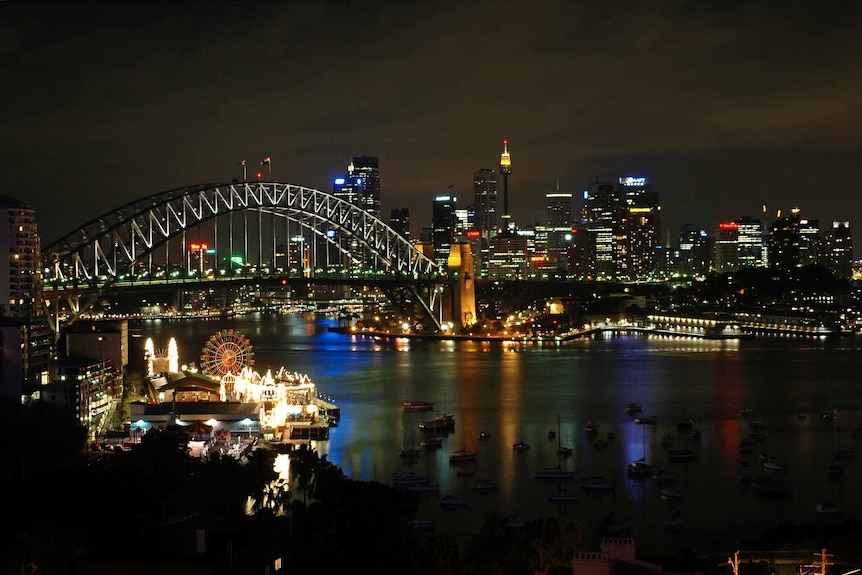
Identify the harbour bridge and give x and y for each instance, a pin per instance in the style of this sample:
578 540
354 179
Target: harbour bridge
268 234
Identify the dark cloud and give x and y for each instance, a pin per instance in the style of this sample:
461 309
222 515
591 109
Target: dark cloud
719 103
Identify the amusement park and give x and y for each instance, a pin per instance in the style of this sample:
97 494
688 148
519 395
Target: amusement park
225 398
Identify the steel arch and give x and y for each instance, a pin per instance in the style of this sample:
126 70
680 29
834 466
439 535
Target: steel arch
115 241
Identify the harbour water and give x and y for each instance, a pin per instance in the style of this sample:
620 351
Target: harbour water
517 392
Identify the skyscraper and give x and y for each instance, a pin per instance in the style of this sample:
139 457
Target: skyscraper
361 185
442 227
485 201
559 205
399 220
837 253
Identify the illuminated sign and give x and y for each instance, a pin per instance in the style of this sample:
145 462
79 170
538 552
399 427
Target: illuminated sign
442 198
473 233
198 247
640 210
538 258
330 233
210 252
728 226
237 260
339 181
633 181
586 194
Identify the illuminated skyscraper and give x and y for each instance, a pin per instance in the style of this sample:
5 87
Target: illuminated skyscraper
837 253
443 227
399 220
485 201
361 185
559 206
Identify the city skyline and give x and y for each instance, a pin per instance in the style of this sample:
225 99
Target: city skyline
723 107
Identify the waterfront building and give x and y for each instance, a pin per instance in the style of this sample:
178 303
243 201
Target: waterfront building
26 337
485 201
88 389
20 274
837 252
101 340
399 220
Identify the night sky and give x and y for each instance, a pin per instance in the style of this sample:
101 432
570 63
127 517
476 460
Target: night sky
723 105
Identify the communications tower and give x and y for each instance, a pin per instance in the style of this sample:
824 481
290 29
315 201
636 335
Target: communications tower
506 169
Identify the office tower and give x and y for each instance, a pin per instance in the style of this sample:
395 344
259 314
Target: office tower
726 247
693 256
559 205
600 207
399 220
506 169
361 185
809 242
837 253
485 201
26 338
784 241
749 243
442 227
507 257
638 229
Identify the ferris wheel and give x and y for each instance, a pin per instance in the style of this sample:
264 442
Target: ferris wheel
227 351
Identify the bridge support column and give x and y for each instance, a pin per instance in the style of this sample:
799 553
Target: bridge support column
463 290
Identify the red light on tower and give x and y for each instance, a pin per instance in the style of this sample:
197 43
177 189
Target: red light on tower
259 175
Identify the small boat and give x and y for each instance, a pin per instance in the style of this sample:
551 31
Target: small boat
424 487
421 523
462 456
745 445
520 446
684 425
680 455
409 454
565 451
773 466
640 469
452 502
596 484
663 479
408 478
674 520
555 473
827 508
835 470
668 493
433 442
633 408
646 420
591 427
484 485
770 485
417 405
562 497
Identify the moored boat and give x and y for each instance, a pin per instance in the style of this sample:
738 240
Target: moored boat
633 408
520 446
555 473
417 405
453 502
646 420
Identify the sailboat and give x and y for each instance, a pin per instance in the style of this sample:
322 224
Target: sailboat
639 468
562 450
463 455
